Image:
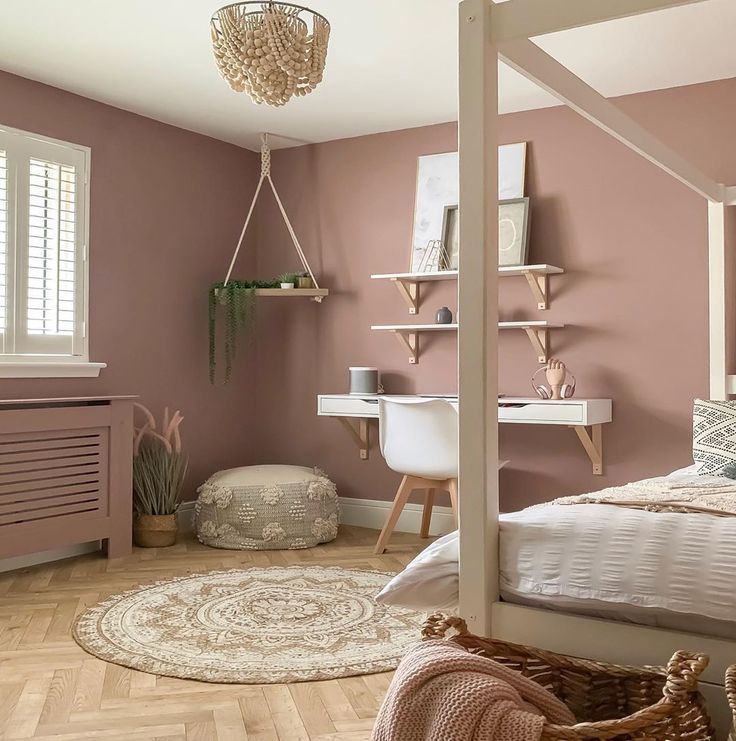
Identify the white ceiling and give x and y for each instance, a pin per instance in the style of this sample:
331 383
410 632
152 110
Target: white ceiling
391 64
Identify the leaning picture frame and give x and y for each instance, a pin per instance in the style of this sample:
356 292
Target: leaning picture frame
513 231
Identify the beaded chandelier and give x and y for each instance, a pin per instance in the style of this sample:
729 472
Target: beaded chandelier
267 50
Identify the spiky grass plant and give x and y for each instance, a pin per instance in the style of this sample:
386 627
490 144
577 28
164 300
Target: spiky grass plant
159 466
288 277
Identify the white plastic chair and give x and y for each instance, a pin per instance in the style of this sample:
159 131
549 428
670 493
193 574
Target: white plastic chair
419 440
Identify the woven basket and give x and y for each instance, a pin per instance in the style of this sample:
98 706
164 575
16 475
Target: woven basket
731 695
610 701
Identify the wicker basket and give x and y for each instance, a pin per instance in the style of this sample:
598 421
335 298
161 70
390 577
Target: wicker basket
731 695
610 701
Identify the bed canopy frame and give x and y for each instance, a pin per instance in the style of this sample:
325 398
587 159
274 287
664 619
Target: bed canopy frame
489 32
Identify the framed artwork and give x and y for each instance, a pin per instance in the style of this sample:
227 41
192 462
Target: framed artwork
438 188
513 231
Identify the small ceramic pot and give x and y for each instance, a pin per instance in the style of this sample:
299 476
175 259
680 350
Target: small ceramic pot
287 285
154 531
304 281
444 316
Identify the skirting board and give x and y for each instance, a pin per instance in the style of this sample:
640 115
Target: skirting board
373 513
370 513
57 554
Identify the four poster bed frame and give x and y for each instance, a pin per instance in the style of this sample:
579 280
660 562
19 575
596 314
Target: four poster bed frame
489 32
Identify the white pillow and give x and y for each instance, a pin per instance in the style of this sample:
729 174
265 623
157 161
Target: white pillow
714 437
430 581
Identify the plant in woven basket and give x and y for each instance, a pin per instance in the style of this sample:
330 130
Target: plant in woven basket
304 280
159 468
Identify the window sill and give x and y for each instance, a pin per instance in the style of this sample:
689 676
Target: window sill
50 369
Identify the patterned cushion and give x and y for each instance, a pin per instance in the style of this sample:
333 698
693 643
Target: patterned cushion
714 436
267 508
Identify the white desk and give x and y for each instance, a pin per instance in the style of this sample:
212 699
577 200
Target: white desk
578 414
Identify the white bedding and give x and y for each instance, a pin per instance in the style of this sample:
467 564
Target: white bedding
671 570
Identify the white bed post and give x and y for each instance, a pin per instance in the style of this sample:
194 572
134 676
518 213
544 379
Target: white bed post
717 300
478 307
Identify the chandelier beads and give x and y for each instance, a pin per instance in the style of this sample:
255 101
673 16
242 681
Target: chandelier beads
269 52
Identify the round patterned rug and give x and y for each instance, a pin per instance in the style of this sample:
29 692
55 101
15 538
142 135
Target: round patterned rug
253 626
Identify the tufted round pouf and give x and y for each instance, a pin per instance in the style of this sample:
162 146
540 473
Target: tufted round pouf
266 508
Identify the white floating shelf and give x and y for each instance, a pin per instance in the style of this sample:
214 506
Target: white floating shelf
408 334
536 276
418 277
415 327
530 325
509 270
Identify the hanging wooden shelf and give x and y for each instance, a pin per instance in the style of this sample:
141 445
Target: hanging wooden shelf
408 335
537 277
316 294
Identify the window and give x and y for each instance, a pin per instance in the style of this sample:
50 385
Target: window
43 262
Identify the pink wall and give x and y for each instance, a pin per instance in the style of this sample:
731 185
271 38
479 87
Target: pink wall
167 205
633 243
166 208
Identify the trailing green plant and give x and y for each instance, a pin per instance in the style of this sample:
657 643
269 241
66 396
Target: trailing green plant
236 304
159 466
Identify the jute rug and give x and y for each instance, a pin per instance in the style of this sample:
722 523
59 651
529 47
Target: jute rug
253 626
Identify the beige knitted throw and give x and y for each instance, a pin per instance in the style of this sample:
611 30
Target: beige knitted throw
440 692
708 494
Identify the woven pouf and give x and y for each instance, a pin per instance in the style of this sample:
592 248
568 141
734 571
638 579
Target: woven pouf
266 508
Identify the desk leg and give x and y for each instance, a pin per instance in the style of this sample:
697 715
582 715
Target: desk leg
361 435
593 445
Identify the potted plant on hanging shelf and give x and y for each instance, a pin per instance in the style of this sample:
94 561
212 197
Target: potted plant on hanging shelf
159 468
304 280
288 280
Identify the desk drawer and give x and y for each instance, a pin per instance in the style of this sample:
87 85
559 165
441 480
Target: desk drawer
544 412
345 406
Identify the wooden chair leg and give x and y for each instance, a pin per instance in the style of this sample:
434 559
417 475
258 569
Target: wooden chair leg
402 494
452 488
427 513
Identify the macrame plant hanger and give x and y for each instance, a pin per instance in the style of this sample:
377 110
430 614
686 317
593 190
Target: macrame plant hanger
266 176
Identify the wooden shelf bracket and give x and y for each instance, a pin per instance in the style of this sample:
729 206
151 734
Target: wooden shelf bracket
593 445
360 434
539 285
410 342
409 291
539 337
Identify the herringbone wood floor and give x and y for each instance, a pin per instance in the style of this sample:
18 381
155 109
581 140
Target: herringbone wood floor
51 689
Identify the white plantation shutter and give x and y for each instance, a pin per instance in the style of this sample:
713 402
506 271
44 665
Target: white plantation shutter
43 305
51 249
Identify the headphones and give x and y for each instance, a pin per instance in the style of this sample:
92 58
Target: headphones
555 370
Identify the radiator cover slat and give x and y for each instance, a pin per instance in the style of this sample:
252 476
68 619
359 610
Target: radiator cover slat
48 474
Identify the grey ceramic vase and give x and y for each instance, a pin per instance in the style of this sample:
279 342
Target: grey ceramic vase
444 316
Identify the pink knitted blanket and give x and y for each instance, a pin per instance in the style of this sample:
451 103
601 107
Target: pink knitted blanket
440 692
